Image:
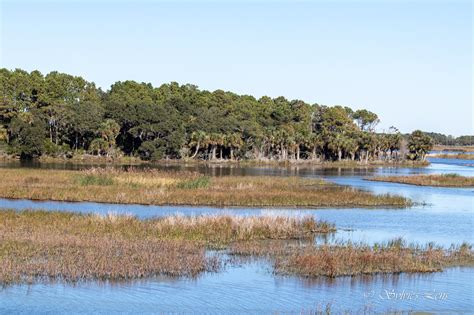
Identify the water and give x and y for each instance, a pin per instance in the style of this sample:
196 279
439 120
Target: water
443 215
248 289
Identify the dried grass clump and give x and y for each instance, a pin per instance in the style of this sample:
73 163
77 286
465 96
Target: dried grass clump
224 229
37 245
444 180
357 259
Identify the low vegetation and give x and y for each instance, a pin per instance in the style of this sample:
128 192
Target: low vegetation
459 148
459 156
39 245
357 259
445 180
183 188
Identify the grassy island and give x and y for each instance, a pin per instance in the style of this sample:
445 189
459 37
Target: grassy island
445 180
357 259
183 188
39 245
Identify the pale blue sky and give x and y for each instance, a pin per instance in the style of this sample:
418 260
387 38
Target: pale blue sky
408 61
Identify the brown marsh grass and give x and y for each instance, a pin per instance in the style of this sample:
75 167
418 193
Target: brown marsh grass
184 188
356 259
463 148
461 156
445 180
37 245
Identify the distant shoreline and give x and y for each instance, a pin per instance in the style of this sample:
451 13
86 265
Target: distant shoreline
103 160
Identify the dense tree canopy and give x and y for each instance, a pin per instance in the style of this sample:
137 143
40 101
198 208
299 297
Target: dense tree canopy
63 114
419 144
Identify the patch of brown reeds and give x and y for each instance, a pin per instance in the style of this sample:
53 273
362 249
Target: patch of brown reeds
461 156
357 259
184 188
37 245
444 180
460 148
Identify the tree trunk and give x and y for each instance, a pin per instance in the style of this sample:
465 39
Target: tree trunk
298 153
197 150
366 157
220 153
313 153
231 153
339 154
213 154
75 145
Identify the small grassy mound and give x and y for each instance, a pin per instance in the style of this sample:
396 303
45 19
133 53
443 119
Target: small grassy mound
444 180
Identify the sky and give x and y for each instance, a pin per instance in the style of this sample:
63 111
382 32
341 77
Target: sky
408 61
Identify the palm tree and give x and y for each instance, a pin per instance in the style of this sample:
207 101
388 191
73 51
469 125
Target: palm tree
233 141
108 131
214 140
197 139
315 142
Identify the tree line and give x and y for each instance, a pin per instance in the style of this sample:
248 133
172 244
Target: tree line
61 115
442 139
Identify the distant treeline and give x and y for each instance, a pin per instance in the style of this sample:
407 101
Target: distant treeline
441 139
60 115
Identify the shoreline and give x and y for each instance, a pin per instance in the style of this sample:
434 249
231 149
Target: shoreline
132 161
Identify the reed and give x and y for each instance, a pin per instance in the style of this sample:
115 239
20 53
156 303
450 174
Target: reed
445 180
184 188
40 245
357 259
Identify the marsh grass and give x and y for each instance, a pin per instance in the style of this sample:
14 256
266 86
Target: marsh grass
40 245
461 156
184 188
88 180
444 180
200 182
459 148
350 259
